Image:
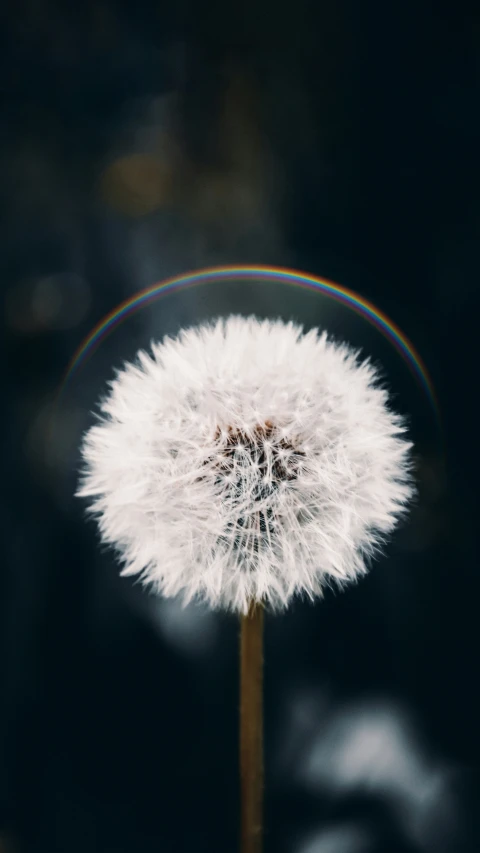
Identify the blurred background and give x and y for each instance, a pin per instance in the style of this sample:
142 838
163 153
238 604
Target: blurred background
142 140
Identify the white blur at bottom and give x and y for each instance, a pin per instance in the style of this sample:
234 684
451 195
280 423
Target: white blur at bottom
340 838
370 747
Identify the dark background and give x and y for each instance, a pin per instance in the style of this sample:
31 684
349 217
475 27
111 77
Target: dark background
140 140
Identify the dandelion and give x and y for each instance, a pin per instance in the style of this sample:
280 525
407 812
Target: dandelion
243 463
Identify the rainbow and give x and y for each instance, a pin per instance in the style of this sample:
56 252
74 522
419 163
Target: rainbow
303 280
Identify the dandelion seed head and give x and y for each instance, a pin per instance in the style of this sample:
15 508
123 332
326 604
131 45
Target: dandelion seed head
245 460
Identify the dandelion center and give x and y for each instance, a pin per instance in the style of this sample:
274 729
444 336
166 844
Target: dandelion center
252 466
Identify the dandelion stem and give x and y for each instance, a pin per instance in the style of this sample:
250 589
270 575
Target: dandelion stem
251 729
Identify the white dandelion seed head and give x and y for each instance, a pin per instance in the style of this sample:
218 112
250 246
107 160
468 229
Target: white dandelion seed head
246 460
